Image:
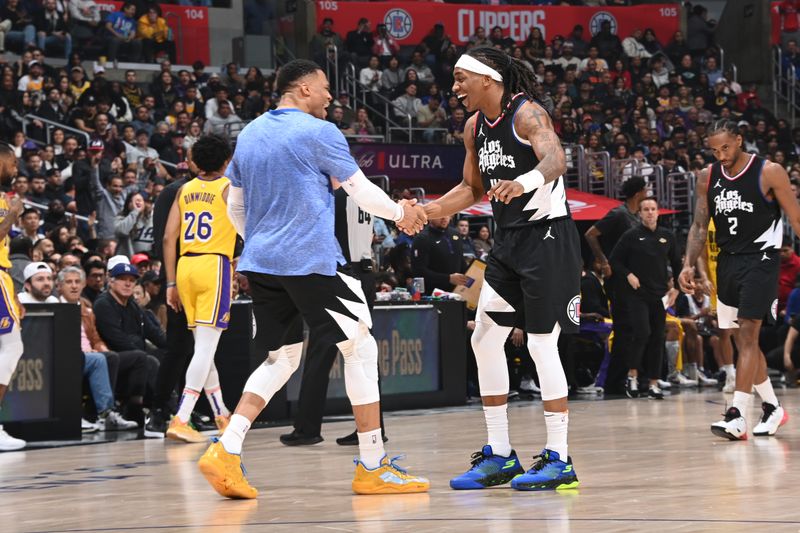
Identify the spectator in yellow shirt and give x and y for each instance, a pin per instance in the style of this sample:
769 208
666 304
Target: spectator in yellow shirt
155 34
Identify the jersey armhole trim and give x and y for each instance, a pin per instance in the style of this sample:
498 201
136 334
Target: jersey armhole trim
520 140
760 189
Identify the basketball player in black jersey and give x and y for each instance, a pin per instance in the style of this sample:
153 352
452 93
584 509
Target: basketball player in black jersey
532 278
744 194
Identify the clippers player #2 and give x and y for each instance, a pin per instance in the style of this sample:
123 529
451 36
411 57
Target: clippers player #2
744 195
532 278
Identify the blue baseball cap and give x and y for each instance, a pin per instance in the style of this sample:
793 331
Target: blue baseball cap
124 269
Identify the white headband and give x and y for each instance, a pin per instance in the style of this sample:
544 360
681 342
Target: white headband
471 64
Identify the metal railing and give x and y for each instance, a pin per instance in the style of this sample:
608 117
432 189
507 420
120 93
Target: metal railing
784 86
596 171
411 131
29 118
365 138
381 180
575 165
332 64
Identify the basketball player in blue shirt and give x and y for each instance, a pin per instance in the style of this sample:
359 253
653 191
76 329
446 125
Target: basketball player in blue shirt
284 170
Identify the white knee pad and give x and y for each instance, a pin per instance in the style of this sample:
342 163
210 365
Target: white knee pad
361 367
268 378
488 341
205 346
10 352
544 351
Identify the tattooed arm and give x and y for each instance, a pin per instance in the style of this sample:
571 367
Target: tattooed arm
533 123
696 241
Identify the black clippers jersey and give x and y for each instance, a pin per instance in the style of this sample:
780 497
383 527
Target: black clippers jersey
745 222
503 155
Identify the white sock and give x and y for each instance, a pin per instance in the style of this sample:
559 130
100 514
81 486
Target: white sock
186 405
557 425
730 370
497 428
634 381
741 401
370 448
766 392
233 437
216 402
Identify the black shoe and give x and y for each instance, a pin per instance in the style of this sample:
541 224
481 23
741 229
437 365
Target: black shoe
352 439
630 388
654 393
296 438
156 425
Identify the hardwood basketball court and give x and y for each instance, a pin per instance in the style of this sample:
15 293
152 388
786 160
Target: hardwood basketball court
643 466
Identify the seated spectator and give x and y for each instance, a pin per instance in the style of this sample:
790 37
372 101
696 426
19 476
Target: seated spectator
633 46
33 81
594 55
466 240
455 126
438 256
122 326
36 192
483 242
95 280
363 125
407 104
71 281
225 122
19 22
52 29
336 116
136 154
432 117
121 33
370 76
212 105
385 46
152 29
498 39
418 65
84 17
608 44
391 77
38 285
19 250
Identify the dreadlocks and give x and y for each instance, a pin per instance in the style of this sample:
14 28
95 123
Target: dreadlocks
517 77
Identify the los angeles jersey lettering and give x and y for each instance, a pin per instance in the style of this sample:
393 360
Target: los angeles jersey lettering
745 222
205 227
503 155
5 262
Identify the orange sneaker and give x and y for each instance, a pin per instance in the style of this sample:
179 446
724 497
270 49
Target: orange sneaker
183 432
225 473
388 478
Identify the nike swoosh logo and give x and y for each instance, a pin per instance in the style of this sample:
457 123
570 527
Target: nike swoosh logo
641 238
440 240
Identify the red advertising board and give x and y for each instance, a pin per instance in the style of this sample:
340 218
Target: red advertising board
191 38
410 22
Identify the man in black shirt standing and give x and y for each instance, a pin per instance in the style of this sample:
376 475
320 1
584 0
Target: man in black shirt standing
640 258
604 234
437 255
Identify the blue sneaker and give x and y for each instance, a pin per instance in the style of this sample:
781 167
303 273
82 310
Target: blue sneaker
549 472
488 470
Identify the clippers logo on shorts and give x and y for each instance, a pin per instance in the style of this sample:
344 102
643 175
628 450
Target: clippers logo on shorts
491 156
727 202
773 310
574 309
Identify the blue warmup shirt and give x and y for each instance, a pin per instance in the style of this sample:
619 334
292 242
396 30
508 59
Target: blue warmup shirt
283 161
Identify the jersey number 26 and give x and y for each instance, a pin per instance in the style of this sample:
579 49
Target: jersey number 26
198 226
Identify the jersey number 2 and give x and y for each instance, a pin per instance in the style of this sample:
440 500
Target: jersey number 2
734 222
198 225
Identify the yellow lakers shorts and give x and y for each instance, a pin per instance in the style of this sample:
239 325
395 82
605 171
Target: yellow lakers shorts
9 314
204 286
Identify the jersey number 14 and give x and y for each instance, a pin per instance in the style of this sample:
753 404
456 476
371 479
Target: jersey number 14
198 226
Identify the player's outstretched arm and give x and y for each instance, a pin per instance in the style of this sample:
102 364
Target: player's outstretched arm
408 216
533 123
696 241
171 231
470 190
777 180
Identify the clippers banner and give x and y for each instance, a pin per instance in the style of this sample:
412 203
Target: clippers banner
411 22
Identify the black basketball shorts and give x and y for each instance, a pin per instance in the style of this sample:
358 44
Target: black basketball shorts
332 306
747 287
532 279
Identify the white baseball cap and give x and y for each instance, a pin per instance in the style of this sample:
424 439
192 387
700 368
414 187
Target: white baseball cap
118 260
34 268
